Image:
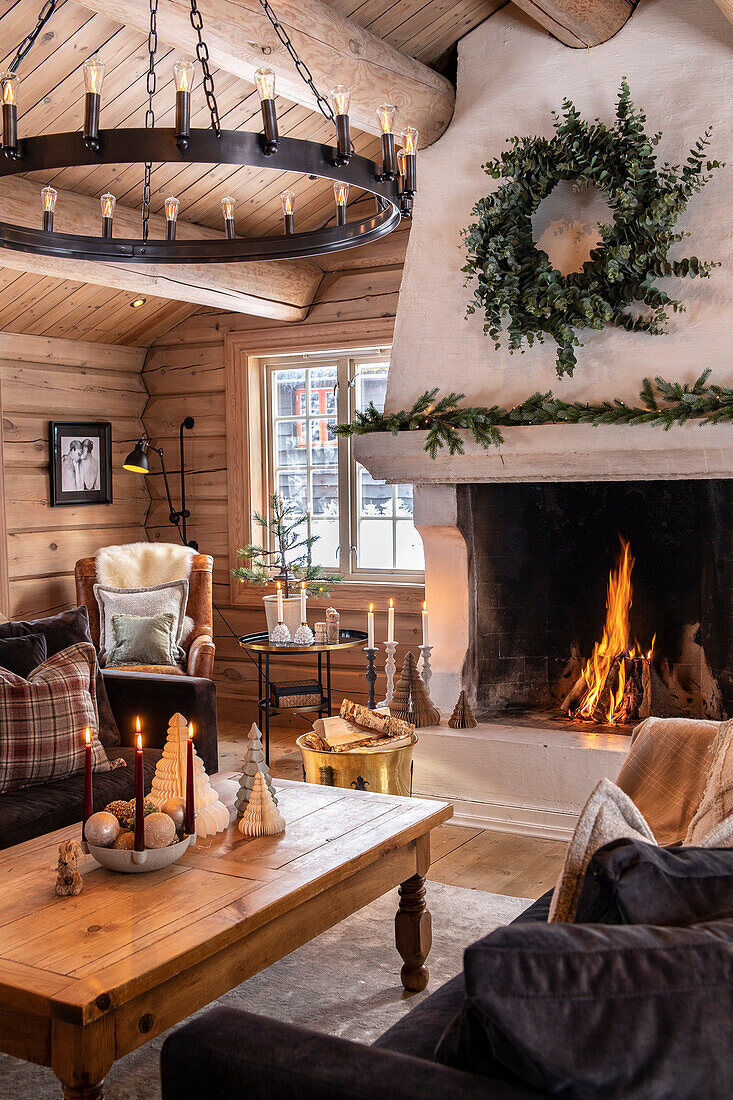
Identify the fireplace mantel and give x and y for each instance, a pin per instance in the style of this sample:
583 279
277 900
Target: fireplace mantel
556 452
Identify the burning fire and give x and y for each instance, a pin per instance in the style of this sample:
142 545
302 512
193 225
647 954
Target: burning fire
605 674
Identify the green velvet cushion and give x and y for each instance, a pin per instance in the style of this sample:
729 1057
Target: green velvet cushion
143 640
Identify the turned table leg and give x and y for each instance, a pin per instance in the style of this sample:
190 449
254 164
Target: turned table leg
413 934
82 1054
83 1092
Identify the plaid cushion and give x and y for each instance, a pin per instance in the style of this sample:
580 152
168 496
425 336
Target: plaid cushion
43 719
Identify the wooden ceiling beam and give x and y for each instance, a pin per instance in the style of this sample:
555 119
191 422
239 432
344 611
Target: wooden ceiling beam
282 290
336 50
581 23
726 6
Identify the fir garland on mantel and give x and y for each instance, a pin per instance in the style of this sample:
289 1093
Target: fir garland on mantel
665 404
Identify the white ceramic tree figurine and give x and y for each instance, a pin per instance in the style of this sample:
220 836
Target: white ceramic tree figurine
169 781
254 762
262 817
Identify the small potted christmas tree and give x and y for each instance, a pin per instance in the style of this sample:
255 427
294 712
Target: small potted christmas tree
288 559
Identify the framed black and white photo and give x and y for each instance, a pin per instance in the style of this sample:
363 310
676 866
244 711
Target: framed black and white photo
81 462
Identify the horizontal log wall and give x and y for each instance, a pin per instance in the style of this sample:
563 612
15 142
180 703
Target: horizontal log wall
186 376
43 379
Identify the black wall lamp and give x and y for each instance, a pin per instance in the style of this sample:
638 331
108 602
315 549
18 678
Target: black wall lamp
137 463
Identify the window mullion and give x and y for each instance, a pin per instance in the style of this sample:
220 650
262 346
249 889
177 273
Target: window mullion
343 452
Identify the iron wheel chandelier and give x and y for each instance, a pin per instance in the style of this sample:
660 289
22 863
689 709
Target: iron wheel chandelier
392 184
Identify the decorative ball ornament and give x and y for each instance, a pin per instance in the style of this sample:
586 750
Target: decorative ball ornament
303 635
160 831
102 829
175 807
125 842
279 635
516 281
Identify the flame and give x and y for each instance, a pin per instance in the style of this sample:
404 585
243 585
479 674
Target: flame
615 639
371 608
88 736
190 731
139 742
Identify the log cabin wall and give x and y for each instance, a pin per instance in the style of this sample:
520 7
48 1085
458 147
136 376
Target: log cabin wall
185 374
43 379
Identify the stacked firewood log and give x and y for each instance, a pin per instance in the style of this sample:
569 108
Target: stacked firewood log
635 702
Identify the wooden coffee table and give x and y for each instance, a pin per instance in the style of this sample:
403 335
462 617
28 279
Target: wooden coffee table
86 980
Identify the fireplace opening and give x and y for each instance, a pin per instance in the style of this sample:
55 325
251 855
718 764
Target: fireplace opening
594 604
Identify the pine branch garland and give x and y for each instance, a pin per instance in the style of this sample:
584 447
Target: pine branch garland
664 404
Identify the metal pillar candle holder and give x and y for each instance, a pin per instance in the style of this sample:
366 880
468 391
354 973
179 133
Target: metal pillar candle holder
371 674
390 667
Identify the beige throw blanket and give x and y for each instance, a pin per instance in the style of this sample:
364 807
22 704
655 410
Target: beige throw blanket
666 771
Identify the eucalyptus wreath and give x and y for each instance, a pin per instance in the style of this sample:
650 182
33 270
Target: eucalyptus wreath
515 280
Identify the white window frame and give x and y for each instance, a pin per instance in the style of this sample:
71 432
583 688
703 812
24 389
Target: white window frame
346 361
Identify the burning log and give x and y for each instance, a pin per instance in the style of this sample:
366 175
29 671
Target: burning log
637 697
603 710
575 695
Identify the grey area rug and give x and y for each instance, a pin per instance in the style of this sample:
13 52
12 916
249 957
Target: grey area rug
345 982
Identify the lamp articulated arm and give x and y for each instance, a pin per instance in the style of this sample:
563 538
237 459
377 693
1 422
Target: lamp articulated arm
137 462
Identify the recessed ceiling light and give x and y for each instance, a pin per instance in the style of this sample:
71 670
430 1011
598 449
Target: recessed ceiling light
137 302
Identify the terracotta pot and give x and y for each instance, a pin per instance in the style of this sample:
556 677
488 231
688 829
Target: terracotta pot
291 612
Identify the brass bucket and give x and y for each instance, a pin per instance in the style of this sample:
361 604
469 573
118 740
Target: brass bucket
388 772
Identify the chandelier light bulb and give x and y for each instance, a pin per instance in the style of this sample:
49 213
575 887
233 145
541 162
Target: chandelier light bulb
172 206
265 81
107 203
287 198
340 100
341 194
48 205
385 117
228 206
409 150
9 93
93 70
183 75
409 141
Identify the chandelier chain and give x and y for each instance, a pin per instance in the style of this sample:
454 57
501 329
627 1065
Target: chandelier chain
202 53
301 68
43 17
151 83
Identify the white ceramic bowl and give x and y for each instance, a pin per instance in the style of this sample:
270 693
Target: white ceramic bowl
133 863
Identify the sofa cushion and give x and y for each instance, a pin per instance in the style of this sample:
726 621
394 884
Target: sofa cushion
61 631
22 655
628 882
27 814
43 718
596 1011
171 597
142 640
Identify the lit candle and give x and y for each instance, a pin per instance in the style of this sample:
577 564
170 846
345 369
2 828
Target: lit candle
303 599
279 602
425 623
390 621
190 825
370 627
88 802
139 795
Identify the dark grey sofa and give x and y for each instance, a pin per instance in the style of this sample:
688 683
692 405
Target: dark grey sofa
33 811
226 1053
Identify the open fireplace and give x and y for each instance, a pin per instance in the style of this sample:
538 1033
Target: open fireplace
598 603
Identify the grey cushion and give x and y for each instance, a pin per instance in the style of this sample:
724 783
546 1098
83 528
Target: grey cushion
143 640
159 598
22 655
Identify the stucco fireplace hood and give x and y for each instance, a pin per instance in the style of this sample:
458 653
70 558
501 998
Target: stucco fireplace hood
556 452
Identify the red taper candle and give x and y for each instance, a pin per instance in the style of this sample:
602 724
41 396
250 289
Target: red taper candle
190 808
88 800
139 795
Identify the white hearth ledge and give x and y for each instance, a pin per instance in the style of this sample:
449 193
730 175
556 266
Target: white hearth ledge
556 452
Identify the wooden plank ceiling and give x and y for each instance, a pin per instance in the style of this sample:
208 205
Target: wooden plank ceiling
51 100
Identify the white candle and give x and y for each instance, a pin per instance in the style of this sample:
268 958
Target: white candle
279 602
390 621
425 624
302 601
370 627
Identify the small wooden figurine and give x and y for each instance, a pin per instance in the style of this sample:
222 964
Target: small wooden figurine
410 700
262 817
462 717
68 880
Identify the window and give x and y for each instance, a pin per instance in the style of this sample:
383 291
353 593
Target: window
365 527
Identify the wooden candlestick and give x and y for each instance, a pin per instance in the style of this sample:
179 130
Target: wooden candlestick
390 668
424 665
371 674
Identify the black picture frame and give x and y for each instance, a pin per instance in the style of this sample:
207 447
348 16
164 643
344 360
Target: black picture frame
81 462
